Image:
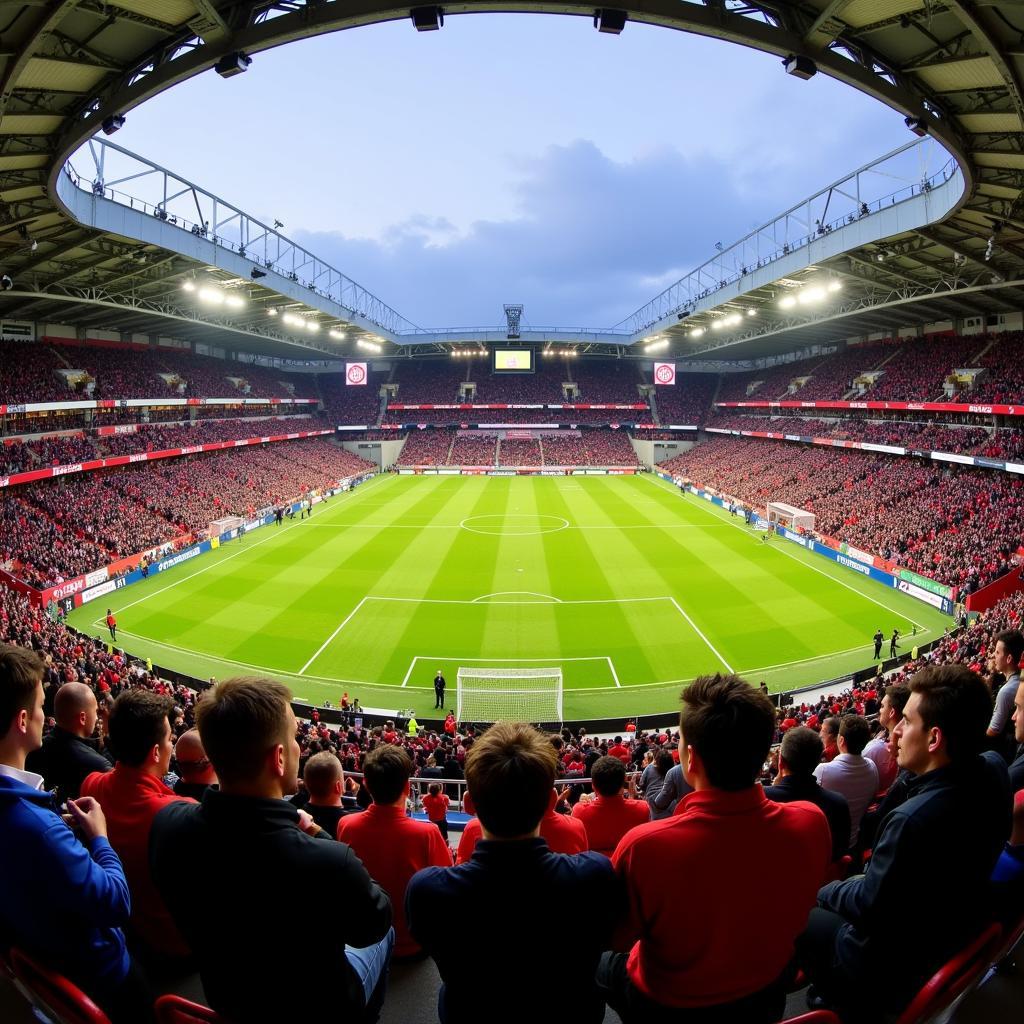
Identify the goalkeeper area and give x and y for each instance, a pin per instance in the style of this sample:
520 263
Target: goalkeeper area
622 585
519 694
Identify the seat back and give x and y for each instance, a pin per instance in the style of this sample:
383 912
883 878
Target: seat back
814 1017
1011 937
954 979
57 997
175 1010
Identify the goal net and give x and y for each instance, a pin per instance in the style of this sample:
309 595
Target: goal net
221 526
515 694
787 515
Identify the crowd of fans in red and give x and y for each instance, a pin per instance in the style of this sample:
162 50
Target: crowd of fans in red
586 448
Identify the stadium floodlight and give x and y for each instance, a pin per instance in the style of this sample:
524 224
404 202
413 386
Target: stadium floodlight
312 325
834 286
918 125
717 325
272 311
788 302
809 295
427 19
188 286
234 301
232 64
751 312
696 332
732 320
610 21
800 67
336 335
112 124
214 296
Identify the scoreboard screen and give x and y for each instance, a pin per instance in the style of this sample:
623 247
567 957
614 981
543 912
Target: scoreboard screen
513 360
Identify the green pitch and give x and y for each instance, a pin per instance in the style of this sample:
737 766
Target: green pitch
628 587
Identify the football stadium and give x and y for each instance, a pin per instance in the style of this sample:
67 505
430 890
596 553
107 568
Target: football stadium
407 651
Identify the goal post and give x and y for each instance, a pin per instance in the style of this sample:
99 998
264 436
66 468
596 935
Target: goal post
787 515
515 694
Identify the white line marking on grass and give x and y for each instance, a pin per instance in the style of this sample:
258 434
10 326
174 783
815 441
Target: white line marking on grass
548 599
697 630
818 657
506 661
556 600
615 675
323 646
698 503
242 550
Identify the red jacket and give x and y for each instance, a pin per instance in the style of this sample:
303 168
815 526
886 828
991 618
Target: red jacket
393 848
608 818
130 799
562 833
729 935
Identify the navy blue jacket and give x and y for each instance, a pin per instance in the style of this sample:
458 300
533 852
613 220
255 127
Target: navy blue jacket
488 925
935 851
834 805
60 901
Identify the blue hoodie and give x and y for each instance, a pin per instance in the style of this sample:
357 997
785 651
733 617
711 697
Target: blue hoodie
59 900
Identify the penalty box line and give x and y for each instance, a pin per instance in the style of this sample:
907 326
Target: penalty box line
507 661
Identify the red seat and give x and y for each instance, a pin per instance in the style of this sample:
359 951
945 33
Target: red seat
954 979
814 1017
175 1010
1011 938
59 998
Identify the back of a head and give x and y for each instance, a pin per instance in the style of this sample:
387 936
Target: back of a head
664 762
320 775
70 701
955 700
730 725
189 755
609 775
21 669
802 750
386 770
239 721
855 732
137 725
511 771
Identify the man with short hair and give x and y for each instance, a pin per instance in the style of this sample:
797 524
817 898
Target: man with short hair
69 753
391 845
609 815
439 685
256 851
195 772
325 783
62 900
851 774
619 749
732 962
878 638
131 795
830 738
510 770
879 750
799 755
1017 765
944 839
1007 652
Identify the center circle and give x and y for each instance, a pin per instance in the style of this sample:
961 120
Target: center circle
518 524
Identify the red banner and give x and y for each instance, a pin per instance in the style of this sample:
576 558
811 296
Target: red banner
980 409
507 405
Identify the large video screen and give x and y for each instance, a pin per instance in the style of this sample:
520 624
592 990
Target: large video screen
513 360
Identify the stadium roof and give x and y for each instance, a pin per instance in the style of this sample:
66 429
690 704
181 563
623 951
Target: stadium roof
952 68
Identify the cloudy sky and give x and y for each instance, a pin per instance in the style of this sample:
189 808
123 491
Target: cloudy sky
513 158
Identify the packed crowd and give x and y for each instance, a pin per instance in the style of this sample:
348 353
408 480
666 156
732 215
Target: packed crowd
688 402
961 526
57 529
519 452
1004 382
583 448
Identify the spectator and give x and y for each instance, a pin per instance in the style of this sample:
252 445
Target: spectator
830 739
652 783
61 899
736 964
1017 765
945 838
1006 658
608 816
435 803
562 832
511 771
325 783
1008 874
131 795
619 749
392 845
675 787
851 774
195 773
880 750
69 753
270 850
799 756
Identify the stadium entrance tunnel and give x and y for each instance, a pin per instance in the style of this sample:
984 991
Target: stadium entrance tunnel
514 524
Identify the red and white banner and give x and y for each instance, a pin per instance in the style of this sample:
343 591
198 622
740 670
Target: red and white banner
406 406
664 373
355 373
982 409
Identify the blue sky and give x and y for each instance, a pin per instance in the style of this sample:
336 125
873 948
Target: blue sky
513 158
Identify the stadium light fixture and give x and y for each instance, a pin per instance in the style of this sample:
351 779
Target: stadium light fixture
256 273
232 64
188 286
427 19
787 302
337 335
800 67
732 320
112 124
610 21
918 125
214 296
834 286
810 295
657 346
272 311
235 301
696 332
312 325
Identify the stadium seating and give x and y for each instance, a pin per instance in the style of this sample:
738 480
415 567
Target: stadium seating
57 998
173 1009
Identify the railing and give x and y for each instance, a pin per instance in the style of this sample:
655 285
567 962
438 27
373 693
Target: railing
846 201
181 203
